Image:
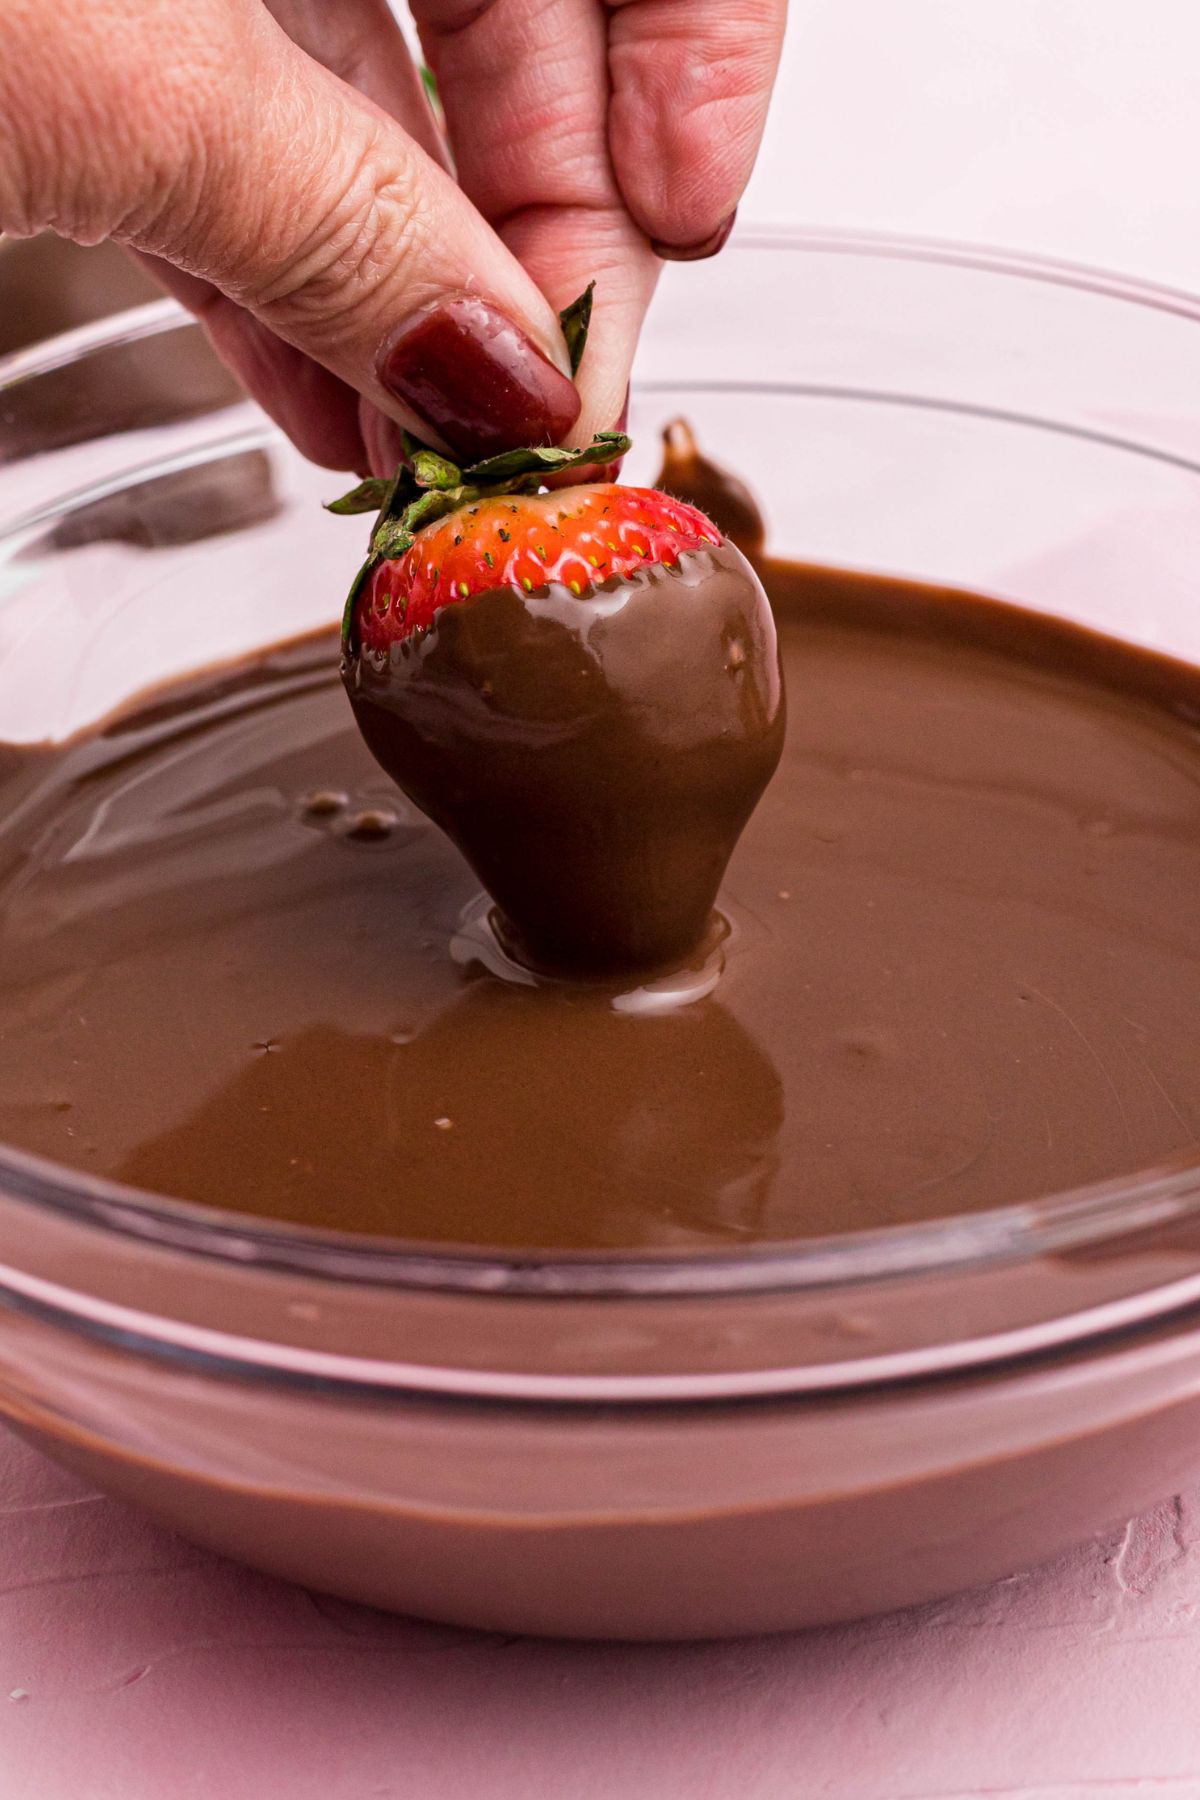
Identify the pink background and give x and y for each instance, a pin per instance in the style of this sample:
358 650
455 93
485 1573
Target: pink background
135 1668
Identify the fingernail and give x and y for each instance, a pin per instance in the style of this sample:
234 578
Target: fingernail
477 379
696 252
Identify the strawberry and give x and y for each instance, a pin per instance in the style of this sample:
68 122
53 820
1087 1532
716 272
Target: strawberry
576 538
581 687
446 535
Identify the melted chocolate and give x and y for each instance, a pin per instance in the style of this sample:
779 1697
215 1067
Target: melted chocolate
726 499
963 969
594 758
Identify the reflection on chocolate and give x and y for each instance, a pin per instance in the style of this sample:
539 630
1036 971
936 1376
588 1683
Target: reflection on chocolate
678 1137
595 759
964 967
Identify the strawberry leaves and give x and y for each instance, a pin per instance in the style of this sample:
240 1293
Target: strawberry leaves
367 497
431 470
514 465
428 485
575 321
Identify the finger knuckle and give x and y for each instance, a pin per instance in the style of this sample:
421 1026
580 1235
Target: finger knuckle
345 248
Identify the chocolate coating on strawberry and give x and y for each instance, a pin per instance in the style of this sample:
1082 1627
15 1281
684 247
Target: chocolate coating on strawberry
595 756
582 688
576 538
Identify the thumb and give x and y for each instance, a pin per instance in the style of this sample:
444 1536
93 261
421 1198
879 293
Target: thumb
246 164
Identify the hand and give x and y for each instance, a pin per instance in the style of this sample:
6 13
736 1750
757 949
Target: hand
282 168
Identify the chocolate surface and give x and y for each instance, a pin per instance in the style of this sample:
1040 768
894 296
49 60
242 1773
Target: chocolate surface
594 758
962 969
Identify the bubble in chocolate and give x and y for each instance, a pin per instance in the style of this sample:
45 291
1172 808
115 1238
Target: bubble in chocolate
371 825
594 757
324 803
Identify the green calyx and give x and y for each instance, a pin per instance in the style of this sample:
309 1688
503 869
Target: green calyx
427 485
576 321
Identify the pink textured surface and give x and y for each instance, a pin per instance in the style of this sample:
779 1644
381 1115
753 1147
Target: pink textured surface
133 1667
154 1672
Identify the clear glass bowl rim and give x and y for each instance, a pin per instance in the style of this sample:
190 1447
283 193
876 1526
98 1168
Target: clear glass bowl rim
1087 1216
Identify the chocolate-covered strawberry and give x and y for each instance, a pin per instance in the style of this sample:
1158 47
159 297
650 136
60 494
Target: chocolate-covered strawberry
582 687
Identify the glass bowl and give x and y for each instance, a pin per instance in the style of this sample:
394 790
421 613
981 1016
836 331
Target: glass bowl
663 1444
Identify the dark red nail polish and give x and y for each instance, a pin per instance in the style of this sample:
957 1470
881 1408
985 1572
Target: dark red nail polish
696 252
469 372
